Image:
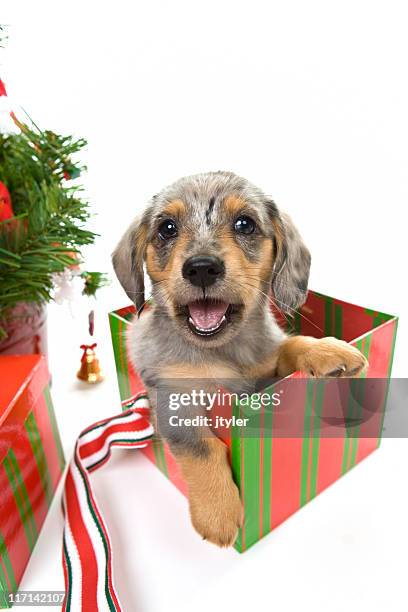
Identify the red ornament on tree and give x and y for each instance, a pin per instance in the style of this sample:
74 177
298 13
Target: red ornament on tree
6 210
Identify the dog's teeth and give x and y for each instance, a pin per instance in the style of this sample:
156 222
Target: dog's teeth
207 329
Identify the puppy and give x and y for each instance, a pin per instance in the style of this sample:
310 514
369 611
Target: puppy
215 247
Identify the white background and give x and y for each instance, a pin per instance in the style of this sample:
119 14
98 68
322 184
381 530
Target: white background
309 101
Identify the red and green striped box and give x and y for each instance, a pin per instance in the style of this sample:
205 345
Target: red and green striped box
277 475
31 463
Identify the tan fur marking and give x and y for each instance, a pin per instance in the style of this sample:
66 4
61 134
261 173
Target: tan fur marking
266 259
213 371
250 278
176 208
264 368
141 242
233 204
279 237
153 269
152 265
215 506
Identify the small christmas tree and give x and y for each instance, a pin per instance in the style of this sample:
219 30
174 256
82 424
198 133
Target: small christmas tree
42 215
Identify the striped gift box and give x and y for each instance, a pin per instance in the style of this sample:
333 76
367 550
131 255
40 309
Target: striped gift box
277 475
31 463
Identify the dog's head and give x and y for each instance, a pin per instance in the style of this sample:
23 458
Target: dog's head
215 247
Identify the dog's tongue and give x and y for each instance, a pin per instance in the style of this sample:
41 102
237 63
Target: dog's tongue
206 314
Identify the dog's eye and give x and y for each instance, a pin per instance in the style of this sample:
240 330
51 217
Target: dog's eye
167 229
244 225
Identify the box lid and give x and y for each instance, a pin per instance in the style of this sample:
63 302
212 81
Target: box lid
16 375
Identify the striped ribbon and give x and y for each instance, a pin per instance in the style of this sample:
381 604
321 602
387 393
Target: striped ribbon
87 553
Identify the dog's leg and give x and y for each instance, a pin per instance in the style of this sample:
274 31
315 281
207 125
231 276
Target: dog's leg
215 505
325 357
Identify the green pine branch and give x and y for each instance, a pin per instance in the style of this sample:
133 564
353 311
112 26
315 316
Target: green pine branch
48 230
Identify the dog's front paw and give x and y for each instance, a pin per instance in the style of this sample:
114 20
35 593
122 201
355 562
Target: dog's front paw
330 357
216 514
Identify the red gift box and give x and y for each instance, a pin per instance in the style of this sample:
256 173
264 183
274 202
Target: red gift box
31 463
278 473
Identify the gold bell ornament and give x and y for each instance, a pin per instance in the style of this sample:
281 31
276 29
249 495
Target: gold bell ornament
90 370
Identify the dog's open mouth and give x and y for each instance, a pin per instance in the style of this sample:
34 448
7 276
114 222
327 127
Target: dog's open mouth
208 317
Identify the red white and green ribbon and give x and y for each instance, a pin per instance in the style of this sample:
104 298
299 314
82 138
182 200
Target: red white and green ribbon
87 552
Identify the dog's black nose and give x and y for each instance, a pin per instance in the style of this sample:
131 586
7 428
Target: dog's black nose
203 271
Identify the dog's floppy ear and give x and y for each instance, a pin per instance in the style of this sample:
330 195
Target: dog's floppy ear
291 269
128 259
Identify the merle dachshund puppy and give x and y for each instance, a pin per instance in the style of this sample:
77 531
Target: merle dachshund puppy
216 248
